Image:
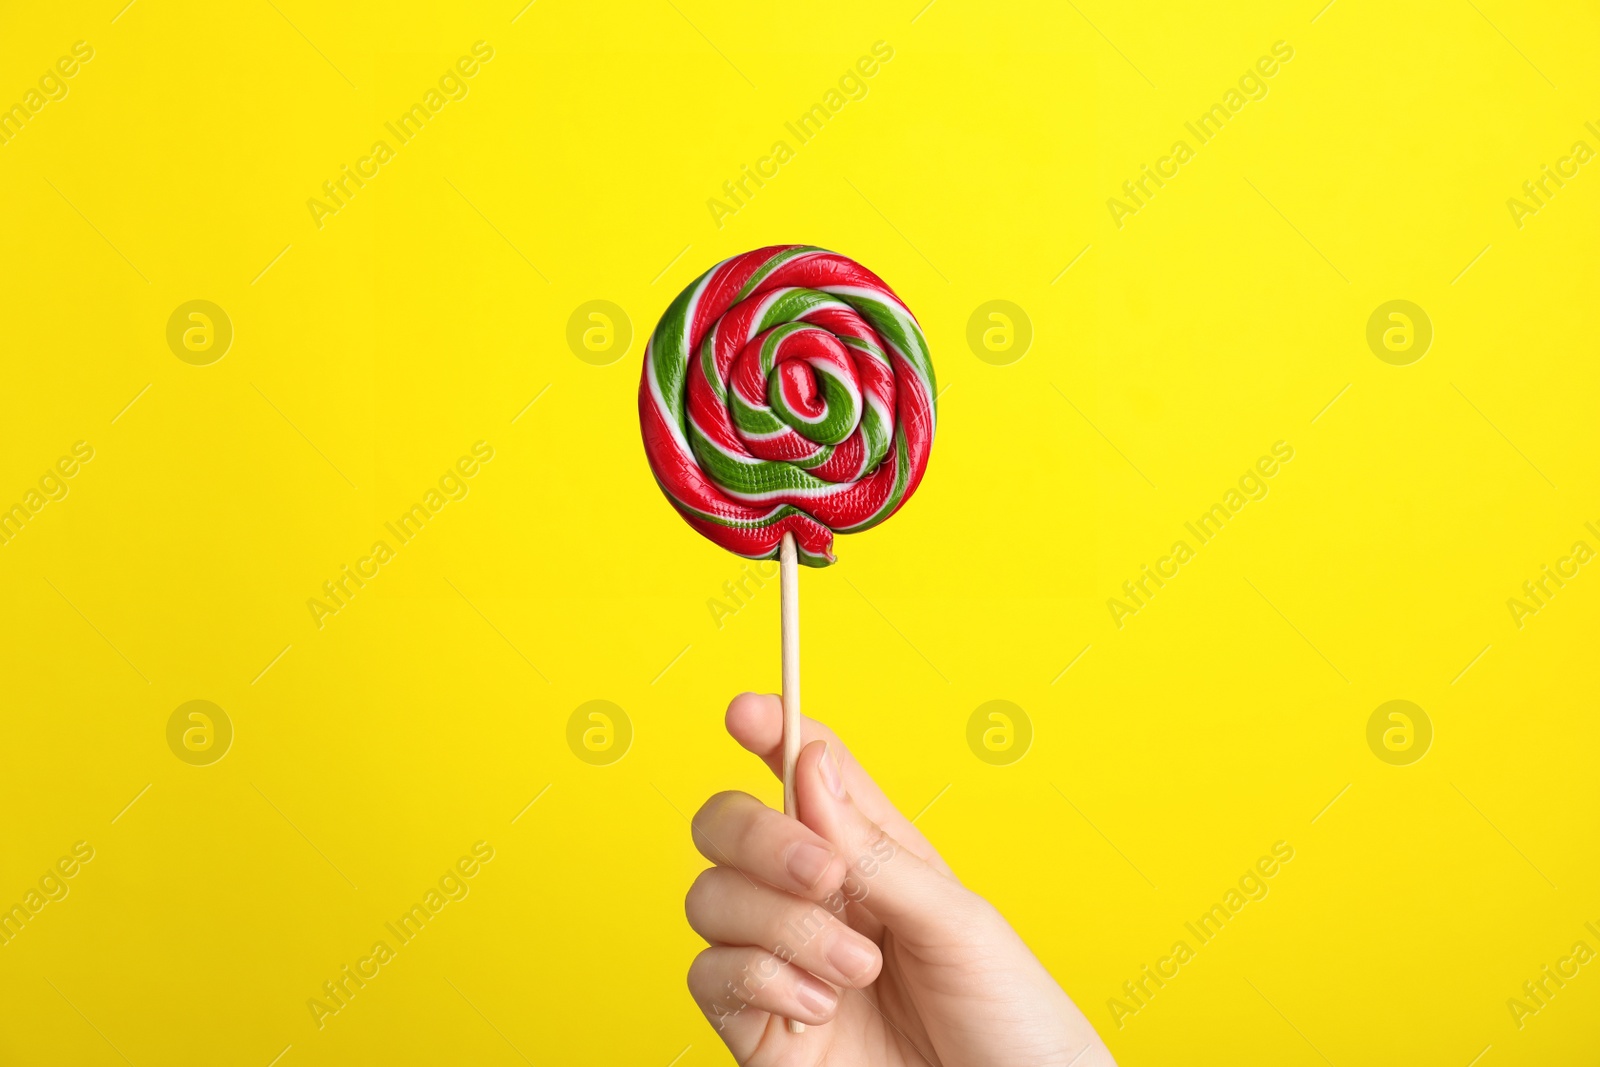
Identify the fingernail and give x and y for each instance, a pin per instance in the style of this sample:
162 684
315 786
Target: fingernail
830 773
814 996
850 957
807 863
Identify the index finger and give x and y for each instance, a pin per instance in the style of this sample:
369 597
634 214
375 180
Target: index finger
755 720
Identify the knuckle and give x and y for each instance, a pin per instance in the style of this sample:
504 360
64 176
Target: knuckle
699 973
723 984
876 847
721 804
707 977
715 809
702 891
874 850
966 910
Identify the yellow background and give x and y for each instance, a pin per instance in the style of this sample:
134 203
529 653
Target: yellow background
1226 315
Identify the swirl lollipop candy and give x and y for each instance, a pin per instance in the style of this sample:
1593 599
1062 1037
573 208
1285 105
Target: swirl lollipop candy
787 396
787 391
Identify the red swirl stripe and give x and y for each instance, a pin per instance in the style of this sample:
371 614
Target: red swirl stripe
787 390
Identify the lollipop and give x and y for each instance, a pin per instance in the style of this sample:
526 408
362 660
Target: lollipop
787 396
787 391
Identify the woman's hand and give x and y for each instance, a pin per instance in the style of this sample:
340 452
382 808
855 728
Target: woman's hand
847 920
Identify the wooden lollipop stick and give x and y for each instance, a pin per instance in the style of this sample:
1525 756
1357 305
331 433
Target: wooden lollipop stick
789 596
789 593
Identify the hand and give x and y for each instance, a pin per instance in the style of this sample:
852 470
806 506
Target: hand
848 921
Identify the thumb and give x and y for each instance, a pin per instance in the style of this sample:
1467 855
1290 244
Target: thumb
899 888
